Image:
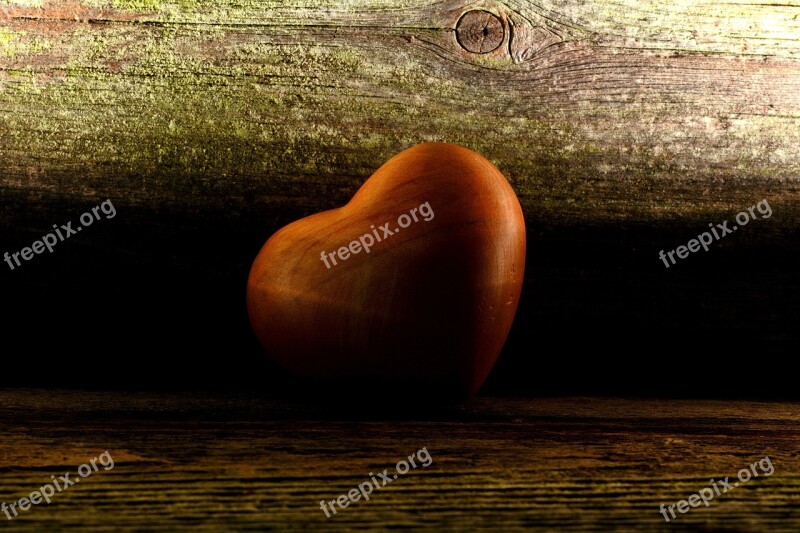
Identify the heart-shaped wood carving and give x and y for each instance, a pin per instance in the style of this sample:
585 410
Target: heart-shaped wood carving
414 282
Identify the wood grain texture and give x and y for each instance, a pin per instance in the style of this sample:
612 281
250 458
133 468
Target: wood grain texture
213 462
414 283
595 111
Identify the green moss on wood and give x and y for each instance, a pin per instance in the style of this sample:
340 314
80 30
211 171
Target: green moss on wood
19 43
185 112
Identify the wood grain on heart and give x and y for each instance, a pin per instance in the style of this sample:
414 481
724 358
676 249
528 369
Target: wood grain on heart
415 281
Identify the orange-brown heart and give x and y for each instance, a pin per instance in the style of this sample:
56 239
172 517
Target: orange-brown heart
410 288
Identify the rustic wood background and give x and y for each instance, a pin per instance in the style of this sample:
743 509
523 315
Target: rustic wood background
232 462
625 128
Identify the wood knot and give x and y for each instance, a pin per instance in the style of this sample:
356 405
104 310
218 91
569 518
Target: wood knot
480 32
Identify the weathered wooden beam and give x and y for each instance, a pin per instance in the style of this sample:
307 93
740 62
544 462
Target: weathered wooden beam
595 111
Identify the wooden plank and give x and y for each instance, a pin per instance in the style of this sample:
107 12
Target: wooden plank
595 111
239 462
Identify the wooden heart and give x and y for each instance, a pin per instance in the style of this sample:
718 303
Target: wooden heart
414 282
